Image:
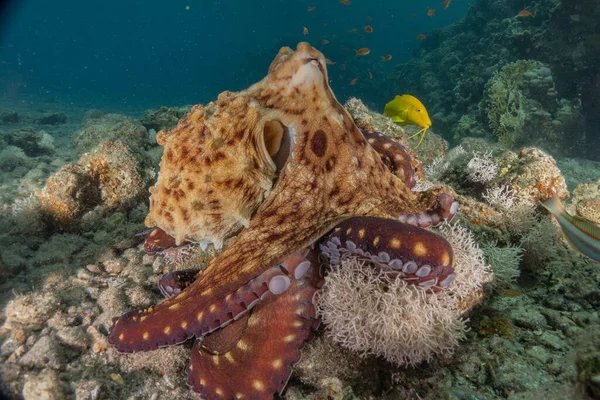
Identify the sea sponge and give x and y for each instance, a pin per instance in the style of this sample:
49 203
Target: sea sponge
367 311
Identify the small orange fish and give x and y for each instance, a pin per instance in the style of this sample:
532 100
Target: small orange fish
329 62
413 16
546 123
370 74
343 67
387 57
368 17
324 24
431 12
353 30
525 13
368 29
353 81
447 3
324 41
345 2
312 8
421 37
305 31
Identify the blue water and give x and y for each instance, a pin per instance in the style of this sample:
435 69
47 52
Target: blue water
142 54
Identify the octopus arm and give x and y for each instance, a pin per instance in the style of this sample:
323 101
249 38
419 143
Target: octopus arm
393 154
252 358
234 283
414 254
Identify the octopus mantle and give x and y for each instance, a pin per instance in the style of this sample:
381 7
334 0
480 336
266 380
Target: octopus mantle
280 165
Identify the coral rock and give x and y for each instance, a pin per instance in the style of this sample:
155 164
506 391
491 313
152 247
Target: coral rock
99 128
57 118
163 118
44 386
46 352
68 193
110 177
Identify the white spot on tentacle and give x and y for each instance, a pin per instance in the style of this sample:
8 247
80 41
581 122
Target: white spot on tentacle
428 283
336 240
350 245
301 269
454 208
423 271
384 257
395 264
447 280
279 284
410 267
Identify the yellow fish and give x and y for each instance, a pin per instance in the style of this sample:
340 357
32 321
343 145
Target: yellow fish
407 109
581 233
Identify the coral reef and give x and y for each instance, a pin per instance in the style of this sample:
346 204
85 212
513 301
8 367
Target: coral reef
98 127
109 178
32 142
521 107
524 74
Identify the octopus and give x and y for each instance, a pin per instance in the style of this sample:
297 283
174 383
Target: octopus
281 169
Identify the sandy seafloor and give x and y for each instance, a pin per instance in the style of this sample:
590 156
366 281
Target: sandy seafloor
536 336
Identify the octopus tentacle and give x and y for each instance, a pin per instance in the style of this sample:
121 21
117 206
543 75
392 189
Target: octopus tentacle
393 155
416 255
226 305
158 240
174 282
445 208
252 358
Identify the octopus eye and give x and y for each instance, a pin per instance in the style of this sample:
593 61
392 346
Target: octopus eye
277 142
314 61
273 135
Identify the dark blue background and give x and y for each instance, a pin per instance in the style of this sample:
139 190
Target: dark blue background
137 54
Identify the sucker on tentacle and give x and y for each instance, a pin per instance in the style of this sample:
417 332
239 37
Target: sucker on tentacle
416 255
444 209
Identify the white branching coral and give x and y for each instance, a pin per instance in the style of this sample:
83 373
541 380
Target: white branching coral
436 169
500 197
440 165
368 312
482 168
519 214
505 262
422 185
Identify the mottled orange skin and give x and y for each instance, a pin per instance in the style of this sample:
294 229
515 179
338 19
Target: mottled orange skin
331 174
